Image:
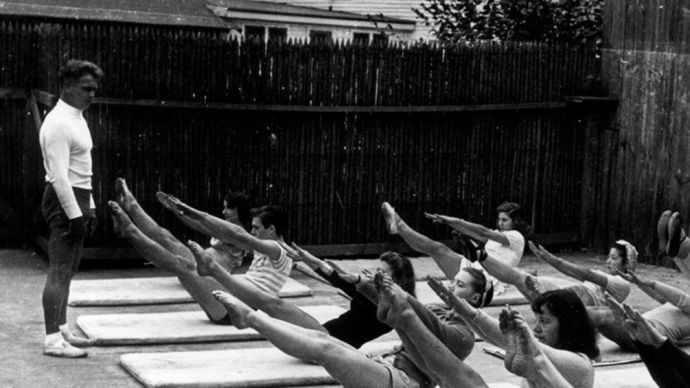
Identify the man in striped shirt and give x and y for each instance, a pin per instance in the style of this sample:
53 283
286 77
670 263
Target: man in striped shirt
269 269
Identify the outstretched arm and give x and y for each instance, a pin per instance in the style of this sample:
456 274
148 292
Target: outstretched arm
223 230
567 268
659 291
476 231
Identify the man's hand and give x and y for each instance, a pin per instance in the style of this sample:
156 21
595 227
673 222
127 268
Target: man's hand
76 228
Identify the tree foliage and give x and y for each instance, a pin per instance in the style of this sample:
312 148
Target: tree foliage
571 21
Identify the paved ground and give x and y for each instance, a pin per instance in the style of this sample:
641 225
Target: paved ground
22 274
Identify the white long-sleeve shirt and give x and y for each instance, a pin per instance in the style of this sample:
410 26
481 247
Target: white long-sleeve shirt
66 147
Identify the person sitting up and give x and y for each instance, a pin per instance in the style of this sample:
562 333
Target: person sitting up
157 245
566 333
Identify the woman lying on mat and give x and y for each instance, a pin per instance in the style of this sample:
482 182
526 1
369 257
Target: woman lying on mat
405 367
359 324
668 365
157 245
566 334
506 243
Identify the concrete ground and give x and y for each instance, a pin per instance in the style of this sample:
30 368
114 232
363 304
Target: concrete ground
22 274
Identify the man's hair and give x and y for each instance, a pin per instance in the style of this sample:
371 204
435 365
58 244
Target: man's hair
77 68
242 204
272 215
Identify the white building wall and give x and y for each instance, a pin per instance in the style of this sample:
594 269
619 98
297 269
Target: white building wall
399 9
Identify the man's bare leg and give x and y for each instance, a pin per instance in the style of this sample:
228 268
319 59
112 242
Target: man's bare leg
146 224
250 294
199 288
346 364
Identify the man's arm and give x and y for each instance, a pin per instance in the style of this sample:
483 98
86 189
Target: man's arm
226 231
56 151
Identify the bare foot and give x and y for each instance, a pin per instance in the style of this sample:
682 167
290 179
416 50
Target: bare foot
532 285
522 346
124 196
391 217
164 199
204 262
237 310
122 225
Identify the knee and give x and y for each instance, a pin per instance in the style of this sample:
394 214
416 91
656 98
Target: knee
273 305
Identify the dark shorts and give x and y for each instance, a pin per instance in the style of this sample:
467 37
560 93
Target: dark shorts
52 210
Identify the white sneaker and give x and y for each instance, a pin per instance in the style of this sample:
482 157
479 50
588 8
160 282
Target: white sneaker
63 349
391 217
76 341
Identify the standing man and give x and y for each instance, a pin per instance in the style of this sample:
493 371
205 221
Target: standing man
67 205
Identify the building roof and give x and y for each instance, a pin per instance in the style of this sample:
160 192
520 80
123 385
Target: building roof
274 8
160 12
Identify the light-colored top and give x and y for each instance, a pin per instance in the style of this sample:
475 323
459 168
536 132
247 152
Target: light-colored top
269 275
593 294
66 146
510 254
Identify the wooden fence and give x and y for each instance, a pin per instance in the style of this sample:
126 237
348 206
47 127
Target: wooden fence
645 65
327 131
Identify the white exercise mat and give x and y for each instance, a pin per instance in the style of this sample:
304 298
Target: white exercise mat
512 296
175 327
152 290
254 367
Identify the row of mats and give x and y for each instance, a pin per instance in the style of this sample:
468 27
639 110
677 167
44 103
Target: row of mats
255 367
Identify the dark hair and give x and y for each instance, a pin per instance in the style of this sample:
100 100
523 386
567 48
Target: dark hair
481 286
622 251
576 331
272 215
77 68
242 204
515 212
403 272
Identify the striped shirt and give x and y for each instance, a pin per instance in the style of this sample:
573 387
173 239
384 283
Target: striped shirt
269 275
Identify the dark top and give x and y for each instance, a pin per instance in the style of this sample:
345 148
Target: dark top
668 365
359 324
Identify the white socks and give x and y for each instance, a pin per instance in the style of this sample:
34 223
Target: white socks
53 339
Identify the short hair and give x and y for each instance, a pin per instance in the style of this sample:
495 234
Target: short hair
515 212
576 331
403 271
242 204
481 286
272 215
77 68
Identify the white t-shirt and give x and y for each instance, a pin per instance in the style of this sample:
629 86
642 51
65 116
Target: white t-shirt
510 254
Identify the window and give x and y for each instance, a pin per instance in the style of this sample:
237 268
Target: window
254 34
360 38
380 40
320 37
277 35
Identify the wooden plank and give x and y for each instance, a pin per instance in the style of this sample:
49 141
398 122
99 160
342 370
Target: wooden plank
335 109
